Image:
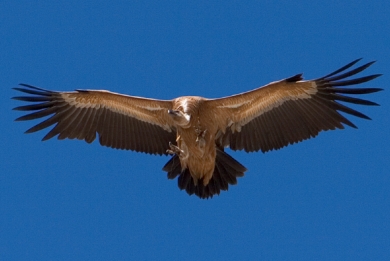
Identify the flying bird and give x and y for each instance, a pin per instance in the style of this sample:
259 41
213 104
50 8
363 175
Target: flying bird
196 130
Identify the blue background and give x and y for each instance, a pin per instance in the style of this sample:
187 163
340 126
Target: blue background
324 199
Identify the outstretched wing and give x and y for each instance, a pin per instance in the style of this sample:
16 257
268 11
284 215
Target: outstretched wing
122 122
288 111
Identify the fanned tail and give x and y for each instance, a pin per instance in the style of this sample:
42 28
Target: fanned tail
226 172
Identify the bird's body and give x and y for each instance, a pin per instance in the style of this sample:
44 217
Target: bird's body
196 136
195 130
195 139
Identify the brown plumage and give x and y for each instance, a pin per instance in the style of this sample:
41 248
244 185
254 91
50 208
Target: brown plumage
196 130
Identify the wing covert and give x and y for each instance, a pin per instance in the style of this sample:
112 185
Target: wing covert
122 122
289 111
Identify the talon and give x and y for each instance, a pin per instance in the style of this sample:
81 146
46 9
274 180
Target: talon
203 133
174 149
170 152
200 136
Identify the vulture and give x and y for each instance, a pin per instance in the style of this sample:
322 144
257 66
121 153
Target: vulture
194 130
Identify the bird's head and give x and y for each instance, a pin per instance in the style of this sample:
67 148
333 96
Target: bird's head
180 118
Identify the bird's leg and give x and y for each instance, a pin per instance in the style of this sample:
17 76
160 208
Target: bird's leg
174 149
200 135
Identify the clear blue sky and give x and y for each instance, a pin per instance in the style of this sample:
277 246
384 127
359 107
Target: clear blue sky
324 199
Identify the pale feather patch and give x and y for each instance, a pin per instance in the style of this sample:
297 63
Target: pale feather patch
235 105
150 108
184 105
187 116
81 102
274 101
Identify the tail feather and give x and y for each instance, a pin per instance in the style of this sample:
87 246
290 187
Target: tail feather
226 172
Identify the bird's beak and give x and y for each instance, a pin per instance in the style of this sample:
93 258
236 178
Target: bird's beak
175 113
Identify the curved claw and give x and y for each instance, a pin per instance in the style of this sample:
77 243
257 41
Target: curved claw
174 149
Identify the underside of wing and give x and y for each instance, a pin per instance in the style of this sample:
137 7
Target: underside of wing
122 122
289 111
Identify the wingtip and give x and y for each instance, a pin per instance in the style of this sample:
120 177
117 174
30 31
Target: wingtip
365 66
355 61
33 87
352 125
27 85
366 117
